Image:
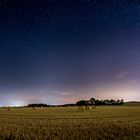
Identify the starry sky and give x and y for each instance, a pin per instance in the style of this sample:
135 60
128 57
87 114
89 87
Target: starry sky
62 51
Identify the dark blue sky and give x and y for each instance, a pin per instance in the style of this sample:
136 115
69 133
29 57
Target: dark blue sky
59 51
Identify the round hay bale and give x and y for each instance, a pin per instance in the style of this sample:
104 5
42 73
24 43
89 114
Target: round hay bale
34 108
93 107
9 109
88 107
81 108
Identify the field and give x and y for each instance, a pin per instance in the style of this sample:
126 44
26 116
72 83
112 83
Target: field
67 123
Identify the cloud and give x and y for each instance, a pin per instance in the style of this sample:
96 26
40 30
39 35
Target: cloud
121 75
131 81
63 93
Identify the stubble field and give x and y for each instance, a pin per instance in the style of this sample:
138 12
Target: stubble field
67 123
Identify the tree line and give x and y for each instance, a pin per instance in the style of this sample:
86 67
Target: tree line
93 101
37 105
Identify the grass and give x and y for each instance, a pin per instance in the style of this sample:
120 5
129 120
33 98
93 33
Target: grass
134 103
66 123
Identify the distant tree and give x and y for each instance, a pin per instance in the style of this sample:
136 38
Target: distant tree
118 101
97 102
122 101
37 105
112 102
92 100
81 103
88 103
105 102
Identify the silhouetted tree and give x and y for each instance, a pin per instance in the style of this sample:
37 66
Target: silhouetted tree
122 101
81 103
37 105
93 101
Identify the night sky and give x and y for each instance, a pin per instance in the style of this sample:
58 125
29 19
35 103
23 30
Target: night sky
62 51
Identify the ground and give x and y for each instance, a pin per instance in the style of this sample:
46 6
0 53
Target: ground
67 123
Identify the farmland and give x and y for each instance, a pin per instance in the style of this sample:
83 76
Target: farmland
67 123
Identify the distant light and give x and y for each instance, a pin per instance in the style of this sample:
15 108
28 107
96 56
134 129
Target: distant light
16 103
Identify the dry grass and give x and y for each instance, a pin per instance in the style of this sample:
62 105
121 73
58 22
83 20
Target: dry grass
67 123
